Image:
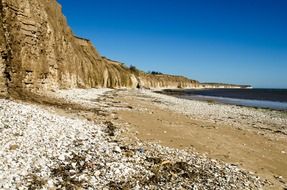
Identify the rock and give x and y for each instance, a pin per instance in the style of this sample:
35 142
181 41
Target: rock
62 157
74 165
117 149
13 147
83 177
141 150
82 163
50 183
278 177
97 173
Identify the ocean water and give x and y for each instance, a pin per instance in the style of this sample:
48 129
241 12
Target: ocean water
261 98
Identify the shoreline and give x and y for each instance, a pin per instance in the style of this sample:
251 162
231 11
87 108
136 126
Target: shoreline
227 100
249 103
120 121
225 113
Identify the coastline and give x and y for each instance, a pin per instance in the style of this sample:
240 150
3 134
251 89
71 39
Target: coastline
139 138
256 98
240 116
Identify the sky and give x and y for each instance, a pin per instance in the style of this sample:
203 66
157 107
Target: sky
230 41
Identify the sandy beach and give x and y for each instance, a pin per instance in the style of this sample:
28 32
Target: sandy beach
254 139
137 139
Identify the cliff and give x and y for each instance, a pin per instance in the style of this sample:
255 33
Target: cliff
145 80
166 81
222 85
40 52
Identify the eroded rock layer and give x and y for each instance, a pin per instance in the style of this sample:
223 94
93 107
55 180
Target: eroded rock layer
40 52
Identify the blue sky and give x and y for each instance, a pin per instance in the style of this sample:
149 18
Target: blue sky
232 41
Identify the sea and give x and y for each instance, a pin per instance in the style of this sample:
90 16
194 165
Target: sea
275 99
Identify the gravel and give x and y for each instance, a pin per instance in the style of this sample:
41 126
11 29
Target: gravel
40 149
84 97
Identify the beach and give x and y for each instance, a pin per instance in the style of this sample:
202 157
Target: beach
160 95
137 139
254 139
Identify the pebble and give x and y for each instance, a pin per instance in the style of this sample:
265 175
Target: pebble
50 151
97 173
117 149
62 157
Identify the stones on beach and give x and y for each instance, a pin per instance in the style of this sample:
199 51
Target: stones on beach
117 149
280 179
62 152
141 150
13 147
110 128
61 157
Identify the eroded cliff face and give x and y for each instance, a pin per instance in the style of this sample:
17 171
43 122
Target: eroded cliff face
166 81
40 52
144 80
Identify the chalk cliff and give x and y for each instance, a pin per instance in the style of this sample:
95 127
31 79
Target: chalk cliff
145 80
40 52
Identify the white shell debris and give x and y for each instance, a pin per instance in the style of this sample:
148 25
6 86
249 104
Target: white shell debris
40 149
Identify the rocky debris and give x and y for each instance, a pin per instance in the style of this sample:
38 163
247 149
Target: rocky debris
87 98
110 128
41 150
